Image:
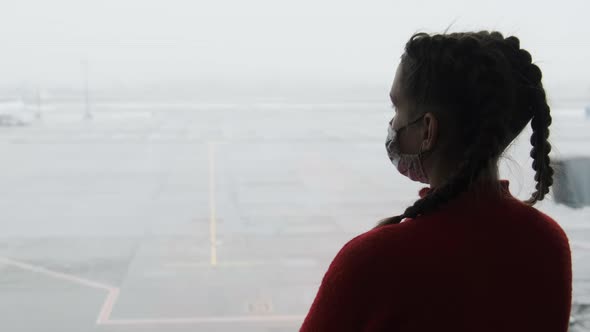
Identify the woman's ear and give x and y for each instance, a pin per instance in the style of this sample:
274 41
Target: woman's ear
430 134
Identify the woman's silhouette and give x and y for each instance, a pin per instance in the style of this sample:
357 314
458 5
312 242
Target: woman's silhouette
468 255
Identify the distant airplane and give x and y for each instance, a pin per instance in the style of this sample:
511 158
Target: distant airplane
12 113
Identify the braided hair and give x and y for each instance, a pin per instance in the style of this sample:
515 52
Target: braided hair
488 89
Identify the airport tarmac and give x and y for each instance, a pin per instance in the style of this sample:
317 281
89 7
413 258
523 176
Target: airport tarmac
209 217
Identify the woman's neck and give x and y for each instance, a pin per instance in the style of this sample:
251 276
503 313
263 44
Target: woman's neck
488 175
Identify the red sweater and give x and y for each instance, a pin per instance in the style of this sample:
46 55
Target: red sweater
479 263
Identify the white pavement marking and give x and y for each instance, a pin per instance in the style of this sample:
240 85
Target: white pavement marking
107 306
576 226
580 244
114 292
211 319
301 262
220 264
55 274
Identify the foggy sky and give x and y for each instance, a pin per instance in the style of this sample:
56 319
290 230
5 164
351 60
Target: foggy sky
263 45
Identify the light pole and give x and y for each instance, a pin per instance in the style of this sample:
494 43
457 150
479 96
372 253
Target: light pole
87 114
38 113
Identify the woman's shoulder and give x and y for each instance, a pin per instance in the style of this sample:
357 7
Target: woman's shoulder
543 222
367 251
375 240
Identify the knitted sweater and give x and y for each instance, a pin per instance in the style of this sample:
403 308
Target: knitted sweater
481 262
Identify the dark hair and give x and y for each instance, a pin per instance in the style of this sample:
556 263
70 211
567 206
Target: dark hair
488 89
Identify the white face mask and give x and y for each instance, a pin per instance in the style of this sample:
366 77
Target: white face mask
409 165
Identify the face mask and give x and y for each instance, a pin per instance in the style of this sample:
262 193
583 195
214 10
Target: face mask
409 165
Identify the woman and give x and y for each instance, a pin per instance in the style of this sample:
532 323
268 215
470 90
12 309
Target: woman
468 256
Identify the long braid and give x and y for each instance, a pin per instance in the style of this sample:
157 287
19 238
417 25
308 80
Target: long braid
499 118
539 140
536 100
479 154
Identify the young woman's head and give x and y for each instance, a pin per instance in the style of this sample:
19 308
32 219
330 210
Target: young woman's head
460 99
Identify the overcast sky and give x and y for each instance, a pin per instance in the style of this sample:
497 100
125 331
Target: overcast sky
269 43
